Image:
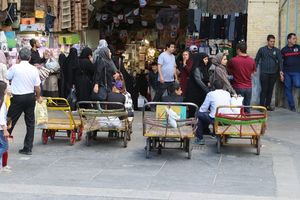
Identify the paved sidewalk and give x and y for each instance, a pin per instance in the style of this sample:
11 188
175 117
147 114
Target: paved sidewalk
106 170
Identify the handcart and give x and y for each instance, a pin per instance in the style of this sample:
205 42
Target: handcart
56 123
162 129
107 117
240 126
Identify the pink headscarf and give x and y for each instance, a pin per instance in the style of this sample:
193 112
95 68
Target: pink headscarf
3 58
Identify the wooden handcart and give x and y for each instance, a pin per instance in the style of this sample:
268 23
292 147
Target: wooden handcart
240 126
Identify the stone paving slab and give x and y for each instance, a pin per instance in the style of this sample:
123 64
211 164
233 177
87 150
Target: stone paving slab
106 170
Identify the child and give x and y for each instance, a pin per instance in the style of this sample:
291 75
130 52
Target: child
4 134
175 93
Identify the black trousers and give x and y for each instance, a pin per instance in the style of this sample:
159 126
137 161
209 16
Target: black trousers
247 94
267 82
161 90
19 104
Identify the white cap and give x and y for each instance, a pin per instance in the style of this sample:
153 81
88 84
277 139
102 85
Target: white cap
193 48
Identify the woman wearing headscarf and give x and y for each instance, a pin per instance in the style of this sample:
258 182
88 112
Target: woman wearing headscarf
61 61
198 82
68 69
106 71
102 43
220 72
185 68
84 75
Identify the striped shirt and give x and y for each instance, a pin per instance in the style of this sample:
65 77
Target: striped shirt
270 60
291 58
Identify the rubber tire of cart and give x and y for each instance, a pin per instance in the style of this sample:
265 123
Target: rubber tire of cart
69 133
147 148
219 141
88 137
45 136
125 139
189 147
159 151
73 138
258 145
52 134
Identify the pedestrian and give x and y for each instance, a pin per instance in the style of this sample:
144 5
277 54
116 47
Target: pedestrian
106 71
84 75
4 134
166 70
197 86
153 80
185 69
102 43
242 68
269 59
220 72
68 71
25 88
35 55
61 84
207 111
291 68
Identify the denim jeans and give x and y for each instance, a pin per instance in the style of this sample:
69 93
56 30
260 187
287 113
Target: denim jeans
291 79
3 146
163 87
204 120
247 94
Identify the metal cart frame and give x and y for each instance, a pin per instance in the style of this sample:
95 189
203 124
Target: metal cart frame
240 126
158 141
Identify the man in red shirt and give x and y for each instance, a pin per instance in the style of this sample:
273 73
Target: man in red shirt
242 67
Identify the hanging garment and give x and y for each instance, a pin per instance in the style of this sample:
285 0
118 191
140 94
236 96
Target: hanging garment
27 6
215 27
49 24
231 30
12 15
18 2
197 19
191 24
205 26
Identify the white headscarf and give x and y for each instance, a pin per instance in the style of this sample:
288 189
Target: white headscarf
102 44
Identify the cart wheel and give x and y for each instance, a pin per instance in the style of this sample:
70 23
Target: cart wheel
52 134
148 143
219 141
45 136
88 136
159 149
73 137
258 145
189 148
69 133
125 138
80 132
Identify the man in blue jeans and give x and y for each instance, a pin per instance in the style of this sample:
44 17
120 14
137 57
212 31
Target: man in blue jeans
218 97
291 68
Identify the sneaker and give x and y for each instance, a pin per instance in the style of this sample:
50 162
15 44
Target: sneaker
199 141
293 109
25 152
6 169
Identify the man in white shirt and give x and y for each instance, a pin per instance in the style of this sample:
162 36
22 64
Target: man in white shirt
25 88
207 111
166 71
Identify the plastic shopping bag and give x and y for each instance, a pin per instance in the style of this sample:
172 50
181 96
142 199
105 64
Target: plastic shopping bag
41 113
172 117
236 101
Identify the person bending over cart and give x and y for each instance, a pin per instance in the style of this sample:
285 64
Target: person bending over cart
207 111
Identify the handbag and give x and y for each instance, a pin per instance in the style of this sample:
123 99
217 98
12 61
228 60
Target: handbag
44 73
102 92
